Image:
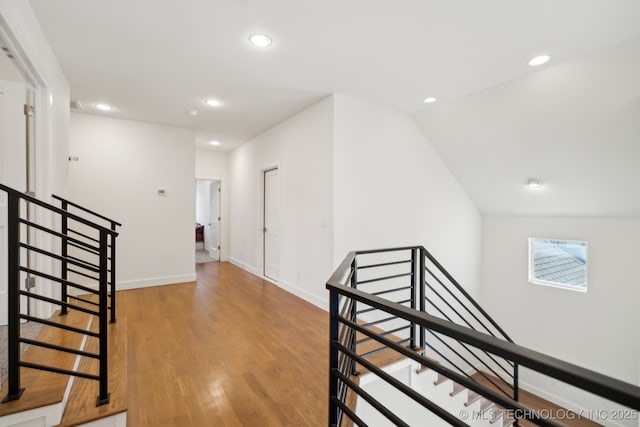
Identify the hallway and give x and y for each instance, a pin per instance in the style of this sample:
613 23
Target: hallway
229 350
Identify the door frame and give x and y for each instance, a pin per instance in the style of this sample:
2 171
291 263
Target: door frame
219 182
43 156
222 239
263 171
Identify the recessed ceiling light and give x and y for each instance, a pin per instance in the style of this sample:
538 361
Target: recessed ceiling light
260 40
192 112
212 102
539 60
103 107
534 184
214 143
430 99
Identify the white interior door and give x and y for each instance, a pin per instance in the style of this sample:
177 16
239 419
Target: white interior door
271 224
12 166
214 222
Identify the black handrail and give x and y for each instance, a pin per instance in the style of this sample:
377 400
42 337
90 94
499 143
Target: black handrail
344 293
82 208
15 222
604 386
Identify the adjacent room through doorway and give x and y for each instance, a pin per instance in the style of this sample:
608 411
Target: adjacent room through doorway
207 221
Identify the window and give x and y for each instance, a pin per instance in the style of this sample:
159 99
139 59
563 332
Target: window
561 263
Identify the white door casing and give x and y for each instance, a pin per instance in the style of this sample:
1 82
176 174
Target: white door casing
271 224
12 167
214 222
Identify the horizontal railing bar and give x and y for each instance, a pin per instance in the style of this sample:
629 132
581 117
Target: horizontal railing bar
374 251
59 280
87 248
383 264
84 300
404 389
465 293
391 290
54 233
58 371
71 270
379 349
357 420
384 334
82 208
370 400
469 383
55 209
58 257
81 260
484 351
596 383
375 322
366 310
60 325
56 302
379 279
58 348
71 230
508 394
446 288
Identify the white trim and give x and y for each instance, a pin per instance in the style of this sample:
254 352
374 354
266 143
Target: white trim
155 281
566 404
244 266
304 294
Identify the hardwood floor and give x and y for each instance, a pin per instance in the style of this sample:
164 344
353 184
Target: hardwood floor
229 350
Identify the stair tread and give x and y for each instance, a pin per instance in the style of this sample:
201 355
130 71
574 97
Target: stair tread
46 388
81 406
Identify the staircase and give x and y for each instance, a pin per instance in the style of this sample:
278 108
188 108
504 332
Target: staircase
74 372
410 347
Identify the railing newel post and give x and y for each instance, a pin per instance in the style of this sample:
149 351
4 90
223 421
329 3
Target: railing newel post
421 296
13 293
334 310
104 396
113 273
412 330
354 311
64 252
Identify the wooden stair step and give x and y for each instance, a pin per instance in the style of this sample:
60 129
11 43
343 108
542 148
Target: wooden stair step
81 405
46 388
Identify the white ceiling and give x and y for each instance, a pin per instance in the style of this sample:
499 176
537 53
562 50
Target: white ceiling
156 59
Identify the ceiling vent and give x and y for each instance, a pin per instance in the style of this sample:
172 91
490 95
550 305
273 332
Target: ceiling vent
75 105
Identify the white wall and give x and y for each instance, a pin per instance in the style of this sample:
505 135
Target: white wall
121 165
302 148
214 165
597 329
392 189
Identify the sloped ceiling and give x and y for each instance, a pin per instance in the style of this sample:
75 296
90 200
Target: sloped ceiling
574 125
497 122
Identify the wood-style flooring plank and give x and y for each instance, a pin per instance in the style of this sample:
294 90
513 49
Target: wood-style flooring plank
228 350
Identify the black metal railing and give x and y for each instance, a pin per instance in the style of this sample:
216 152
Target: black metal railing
68 246
92 260
407 303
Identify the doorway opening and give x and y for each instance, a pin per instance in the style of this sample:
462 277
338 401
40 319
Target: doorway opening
207 223
270 224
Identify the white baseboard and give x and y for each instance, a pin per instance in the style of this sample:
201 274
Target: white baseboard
289 287
572 406
155 281
305 295
244 266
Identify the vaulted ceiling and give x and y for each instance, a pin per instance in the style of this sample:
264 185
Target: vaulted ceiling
573 123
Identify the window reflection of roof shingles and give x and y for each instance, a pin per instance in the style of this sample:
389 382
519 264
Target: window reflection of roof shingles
553 264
